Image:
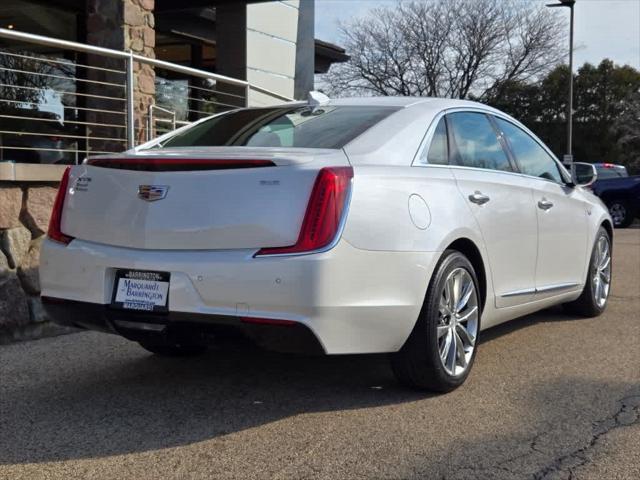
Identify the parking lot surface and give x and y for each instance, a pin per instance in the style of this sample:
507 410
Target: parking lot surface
551 396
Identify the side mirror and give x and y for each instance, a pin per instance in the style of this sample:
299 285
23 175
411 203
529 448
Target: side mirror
583 174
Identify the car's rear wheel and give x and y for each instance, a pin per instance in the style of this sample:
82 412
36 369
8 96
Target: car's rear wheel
621 213
595 294
168 349
439 353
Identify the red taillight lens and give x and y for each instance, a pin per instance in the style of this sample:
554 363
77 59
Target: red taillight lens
324 212
55 230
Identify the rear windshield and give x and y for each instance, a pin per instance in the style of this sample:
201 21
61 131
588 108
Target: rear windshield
298 127
611 172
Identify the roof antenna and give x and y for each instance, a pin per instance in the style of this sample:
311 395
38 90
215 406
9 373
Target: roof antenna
316 99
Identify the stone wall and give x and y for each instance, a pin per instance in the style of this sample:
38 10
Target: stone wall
24 218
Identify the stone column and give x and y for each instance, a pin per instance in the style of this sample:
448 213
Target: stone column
121 25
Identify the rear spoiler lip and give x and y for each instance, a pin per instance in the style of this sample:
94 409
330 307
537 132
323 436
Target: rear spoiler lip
172 164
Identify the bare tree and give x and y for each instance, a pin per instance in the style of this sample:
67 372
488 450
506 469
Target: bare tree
447 48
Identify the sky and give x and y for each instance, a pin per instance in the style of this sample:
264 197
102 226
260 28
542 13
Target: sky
603 28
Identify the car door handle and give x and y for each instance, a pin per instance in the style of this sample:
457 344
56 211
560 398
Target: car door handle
545 204
479 198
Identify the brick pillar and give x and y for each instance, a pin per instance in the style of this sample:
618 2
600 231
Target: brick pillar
120 25
140 38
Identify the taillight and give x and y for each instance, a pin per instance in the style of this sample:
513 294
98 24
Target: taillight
324 212
55 230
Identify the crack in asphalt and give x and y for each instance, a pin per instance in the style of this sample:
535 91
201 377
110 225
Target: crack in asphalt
628 413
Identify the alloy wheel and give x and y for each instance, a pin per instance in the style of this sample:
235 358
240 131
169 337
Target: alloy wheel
601 271
457 322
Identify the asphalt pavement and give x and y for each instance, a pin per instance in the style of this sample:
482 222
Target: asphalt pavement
551 396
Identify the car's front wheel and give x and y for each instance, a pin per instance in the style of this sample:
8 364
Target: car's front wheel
595 294
440 351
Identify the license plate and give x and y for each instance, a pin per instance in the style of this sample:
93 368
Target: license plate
141 290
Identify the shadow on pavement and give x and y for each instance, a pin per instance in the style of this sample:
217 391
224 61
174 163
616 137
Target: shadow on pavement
552 314
101 396
92 395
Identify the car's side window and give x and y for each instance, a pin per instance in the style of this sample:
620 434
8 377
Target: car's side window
531 157
438 151
475 142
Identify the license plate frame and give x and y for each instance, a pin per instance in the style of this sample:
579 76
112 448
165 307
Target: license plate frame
156 282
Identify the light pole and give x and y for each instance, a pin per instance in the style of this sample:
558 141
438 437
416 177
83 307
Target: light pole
568 158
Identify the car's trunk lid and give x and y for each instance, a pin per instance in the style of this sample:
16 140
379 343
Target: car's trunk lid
194 199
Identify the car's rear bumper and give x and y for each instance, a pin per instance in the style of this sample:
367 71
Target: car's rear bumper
352 300
178 326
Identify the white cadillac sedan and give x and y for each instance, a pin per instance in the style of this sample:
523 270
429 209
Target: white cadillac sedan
401 225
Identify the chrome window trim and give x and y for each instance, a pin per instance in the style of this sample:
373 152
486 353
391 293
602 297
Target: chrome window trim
534 137
479 169
488 170
562 173
426 140
426 143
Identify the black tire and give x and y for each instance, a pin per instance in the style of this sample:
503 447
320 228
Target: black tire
173 349
621 212
586 305
418 364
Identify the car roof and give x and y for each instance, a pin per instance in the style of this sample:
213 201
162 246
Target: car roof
432 103
405 102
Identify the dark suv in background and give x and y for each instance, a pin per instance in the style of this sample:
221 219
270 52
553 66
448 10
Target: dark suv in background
619 191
